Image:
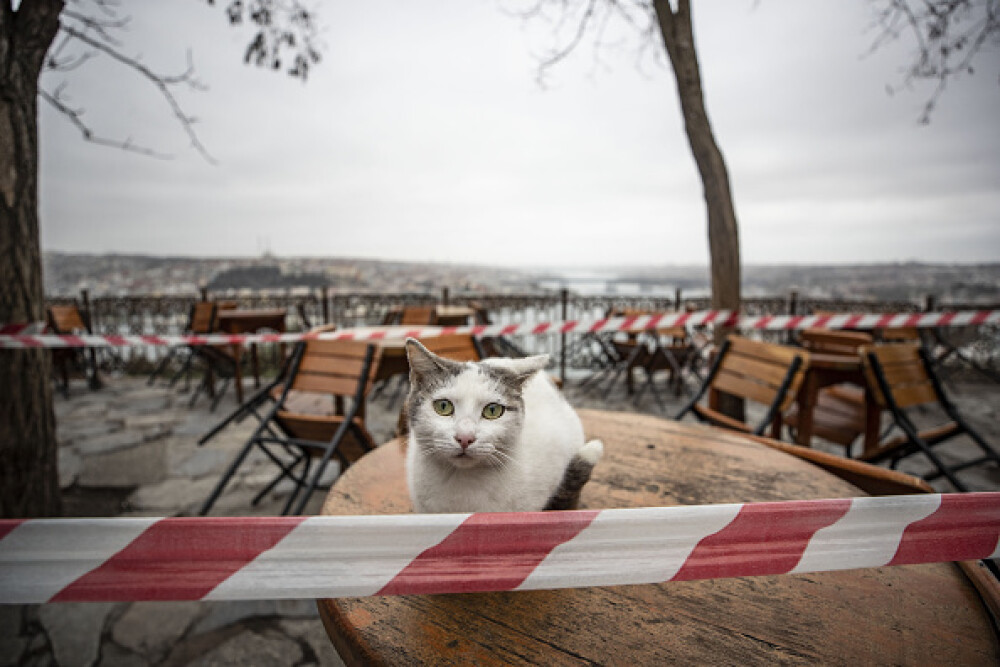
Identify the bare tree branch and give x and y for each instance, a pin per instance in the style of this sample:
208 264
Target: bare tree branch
949 35
75 116
161 82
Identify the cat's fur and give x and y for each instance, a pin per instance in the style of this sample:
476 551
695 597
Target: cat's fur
532 457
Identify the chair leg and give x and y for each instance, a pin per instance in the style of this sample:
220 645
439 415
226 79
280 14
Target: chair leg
226 476
944 470
289 472
298 489
324 460
219 394
160 367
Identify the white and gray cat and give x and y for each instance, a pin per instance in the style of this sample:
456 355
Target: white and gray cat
492 436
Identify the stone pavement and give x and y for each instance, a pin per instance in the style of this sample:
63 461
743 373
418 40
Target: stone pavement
130 450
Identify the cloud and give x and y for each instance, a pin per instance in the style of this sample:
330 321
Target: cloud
422 135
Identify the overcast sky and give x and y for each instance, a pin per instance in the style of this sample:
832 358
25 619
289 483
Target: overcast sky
423 135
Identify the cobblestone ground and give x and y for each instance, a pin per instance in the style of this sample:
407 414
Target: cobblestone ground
130 450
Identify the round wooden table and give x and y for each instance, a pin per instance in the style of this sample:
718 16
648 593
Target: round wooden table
928 614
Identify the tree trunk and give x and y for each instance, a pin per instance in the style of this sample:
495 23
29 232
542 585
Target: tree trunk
29 480
723 232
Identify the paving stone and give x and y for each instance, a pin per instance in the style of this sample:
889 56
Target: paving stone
141 404
172 496
221 614
250 648
151 628
74 429
11 618
103 443
13 644
70 466
135 466
314 634
140 421
201 462
116 656
74 628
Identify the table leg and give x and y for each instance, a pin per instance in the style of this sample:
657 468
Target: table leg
873 421
256 366
238 373
807 403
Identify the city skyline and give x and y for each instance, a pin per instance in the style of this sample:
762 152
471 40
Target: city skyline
422 136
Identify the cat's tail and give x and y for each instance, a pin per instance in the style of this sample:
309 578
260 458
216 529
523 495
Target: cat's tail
577 473
591 452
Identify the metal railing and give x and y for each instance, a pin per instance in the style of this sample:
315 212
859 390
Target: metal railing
141 314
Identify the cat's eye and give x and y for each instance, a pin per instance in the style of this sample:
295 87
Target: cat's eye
493 411
444 407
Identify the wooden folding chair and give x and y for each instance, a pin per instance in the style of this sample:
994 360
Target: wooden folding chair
903 377
319 414
762 372
673 351
417 315
201 320
67 320
217 360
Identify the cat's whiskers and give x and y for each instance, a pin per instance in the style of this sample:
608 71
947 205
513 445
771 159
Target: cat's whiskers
499 459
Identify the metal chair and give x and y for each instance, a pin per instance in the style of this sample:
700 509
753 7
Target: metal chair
318 414
903 376
762 372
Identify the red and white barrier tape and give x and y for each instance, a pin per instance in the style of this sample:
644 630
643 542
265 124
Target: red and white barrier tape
642 322
64 560
25 328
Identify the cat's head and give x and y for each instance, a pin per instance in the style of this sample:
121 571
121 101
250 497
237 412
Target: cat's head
467 414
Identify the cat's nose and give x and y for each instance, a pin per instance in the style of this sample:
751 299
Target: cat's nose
464 439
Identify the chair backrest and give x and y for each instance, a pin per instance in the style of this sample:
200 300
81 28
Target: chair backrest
757 371
826 341
901 335
66 319
334 367
417 315
902 368
202 319
457 347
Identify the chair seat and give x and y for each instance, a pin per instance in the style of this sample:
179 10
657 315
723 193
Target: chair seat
931 436
321 428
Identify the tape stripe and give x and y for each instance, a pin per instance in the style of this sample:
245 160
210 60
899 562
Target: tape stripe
948 532
488 552
778 534
39 558
182 558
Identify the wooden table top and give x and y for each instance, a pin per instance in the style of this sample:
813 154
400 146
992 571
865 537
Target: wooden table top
901 615
247 321
836 362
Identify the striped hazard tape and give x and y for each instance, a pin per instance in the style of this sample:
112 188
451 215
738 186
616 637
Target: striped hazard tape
636 323
63 560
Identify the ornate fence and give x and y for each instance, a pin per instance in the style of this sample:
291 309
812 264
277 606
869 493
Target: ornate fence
169 314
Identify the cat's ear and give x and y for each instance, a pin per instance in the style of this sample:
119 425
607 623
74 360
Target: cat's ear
423 362
525 367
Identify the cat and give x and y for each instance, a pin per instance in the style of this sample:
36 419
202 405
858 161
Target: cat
492 436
